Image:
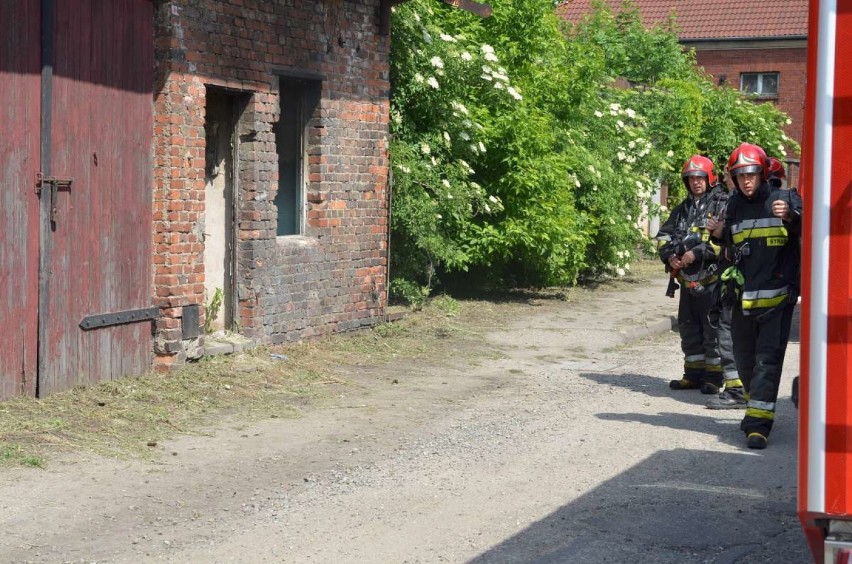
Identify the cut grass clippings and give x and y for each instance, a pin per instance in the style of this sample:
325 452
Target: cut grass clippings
131 417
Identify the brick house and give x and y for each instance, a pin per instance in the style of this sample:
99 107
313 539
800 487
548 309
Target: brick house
271 167
759 48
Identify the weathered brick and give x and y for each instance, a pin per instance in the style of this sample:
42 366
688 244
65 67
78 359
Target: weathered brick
290 288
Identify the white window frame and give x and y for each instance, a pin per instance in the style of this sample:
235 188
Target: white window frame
759 91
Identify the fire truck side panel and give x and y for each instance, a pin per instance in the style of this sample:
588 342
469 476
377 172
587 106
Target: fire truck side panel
838 434
825 430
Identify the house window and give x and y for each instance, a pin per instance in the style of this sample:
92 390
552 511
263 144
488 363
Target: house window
764 84
298 100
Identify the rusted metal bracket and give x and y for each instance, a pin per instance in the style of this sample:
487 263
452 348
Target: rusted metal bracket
119 318
41 179
53 184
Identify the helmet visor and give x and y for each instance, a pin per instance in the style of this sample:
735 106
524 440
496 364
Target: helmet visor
748 169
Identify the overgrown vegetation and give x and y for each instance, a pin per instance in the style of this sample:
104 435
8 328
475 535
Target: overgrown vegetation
525 150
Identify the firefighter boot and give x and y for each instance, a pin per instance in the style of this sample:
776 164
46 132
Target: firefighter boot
684 384
756 440
709 388
731 398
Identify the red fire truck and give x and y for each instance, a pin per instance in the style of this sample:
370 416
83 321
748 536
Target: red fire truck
825 390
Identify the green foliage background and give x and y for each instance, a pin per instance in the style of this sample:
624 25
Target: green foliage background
526 150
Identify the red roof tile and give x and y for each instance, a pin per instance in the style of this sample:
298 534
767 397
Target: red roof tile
713 19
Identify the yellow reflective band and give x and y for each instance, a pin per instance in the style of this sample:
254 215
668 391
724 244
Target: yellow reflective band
698 365
760 233
764 302
715 368
734 383
759 413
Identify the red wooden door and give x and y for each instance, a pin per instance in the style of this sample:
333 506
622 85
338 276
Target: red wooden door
96 261
20 70
76 81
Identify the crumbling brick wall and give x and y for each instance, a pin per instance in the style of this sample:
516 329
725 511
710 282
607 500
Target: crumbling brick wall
332 276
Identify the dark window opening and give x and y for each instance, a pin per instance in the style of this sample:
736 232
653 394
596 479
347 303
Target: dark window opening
298 100
764 84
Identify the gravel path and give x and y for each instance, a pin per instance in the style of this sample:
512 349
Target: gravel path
565 445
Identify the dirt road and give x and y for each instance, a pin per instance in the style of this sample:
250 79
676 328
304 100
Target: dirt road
563 445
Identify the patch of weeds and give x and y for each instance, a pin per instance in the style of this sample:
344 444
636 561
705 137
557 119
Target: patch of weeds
14 454
211 310
388 330
445 304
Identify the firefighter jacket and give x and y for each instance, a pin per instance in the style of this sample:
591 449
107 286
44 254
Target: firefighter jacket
685 230
765 249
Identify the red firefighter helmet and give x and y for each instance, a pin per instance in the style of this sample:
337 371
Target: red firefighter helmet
776 169
697 165
748 159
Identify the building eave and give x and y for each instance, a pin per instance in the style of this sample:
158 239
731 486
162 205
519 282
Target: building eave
743 43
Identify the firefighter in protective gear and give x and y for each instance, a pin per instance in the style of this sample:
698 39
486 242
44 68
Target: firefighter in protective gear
733 396
762 229
689 255
777 176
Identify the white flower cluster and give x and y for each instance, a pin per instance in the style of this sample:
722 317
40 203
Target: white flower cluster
488 53
499 76
458 108
466 166
636 149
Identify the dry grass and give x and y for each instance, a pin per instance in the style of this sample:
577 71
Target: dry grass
127 417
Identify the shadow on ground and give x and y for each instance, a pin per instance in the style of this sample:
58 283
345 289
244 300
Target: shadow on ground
676 506
643 384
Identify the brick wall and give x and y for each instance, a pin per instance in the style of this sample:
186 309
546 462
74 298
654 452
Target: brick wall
790 63
331 278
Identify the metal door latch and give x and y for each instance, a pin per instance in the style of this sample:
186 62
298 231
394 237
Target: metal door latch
54 184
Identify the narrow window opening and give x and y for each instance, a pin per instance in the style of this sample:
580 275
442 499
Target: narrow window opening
298 100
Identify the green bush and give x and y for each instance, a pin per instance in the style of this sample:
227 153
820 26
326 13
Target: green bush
527 151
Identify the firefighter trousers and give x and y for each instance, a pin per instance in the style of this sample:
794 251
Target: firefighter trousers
759 347
698 338
726 346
